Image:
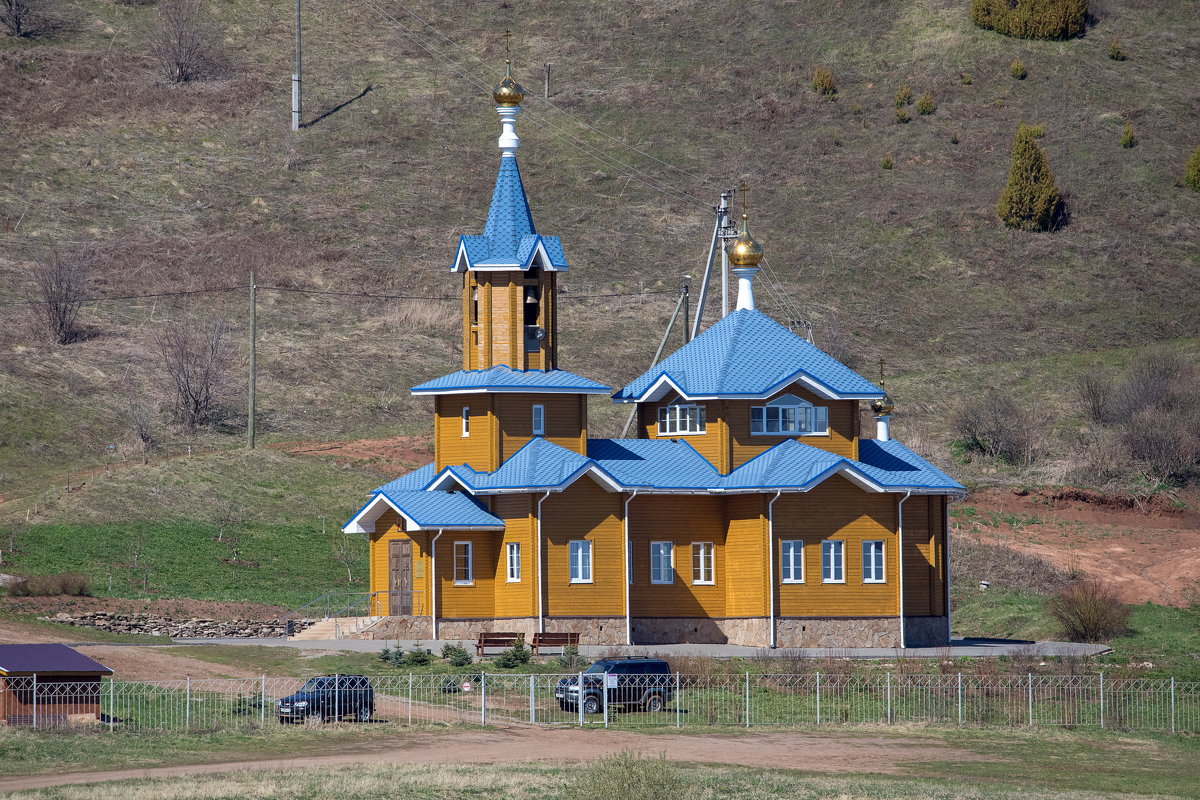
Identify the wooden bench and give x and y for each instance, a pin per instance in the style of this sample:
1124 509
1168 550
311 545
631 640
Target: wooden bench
541 640
496 639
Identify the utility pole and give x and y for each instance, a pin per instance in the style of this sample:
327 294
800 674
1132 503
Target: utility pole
727 233
295 85
253 362
687 302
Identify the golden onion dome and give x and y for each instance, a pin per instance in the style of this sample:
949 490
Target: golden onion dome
508 92
883 406
745 251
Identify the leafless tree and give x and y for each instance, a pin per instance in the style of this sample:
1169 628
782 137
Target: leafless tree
142 421
60 284
27 17
187 44
195 355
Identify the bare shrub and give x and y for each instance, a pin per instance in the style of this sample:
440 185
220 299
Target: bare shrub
1160 378
60 283
75 583
28 18
1088 611
195 355
995 426
1094 392
187 44
1165 441
142 418
71 583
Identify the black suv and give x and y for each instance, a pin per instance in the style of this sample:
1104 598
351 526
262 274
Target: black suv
329 697
644 683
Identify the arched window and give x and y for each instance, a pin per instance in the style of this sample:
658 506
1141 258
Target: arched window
789 416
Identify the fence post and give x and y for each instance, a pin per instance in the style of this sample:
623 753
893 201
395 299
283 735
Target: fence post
889 698
112 704
818 698
604 699
1102 699
1172 704
747 698
678 707
1031 698
262 703
187 708
410 698
483 699
579 699
532 700
960 698
35 703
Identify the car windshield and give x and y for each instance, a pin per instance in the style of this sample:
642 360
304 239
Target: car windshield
598 668
315 685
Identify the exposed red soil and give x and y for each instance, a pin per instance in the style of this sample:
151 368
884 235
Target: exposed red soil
1148 548
395 455
821 752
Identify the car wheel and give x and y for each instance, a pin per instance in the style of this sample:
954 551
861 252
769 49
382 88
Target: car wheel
364 714
591 704
654 702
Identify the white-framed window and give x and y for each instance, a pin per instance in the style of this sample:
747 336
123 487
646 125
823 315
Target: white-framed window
464 574
702 563
466 421
539 420
662 562
872 561
833 561
680 418
789 416
580 553
791 561
513 551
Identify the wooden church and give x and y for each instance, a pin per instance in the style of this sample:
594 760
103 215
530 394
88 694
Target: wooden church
750 509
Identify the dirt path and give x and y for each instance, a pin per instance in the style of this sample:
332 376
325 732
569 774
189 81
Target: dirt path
832 753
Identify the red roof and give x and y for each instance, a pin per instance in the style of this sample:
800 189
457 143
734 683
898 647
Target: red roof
26 659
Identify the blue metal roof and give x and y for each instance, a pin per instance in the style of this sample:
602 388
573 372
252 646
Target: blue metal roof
413 481
442 509
892 464
509 239
538 465
507 379
654 463
787 465
748 354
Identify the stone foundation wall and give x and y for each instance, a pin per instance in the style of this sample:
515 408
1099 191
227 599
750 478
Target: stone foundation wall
591 630
837 632
926 631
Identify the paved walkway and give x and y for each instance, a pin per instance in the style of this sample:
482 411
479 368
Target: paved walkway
958 647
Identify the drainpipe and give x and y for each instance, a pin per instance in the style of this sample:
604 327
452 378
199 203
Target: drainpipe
771 564
900 562
433 586
946 560
541 580
628 573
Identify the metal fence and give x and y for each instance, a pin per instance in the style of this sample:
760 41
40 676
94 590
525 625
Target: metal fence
671 700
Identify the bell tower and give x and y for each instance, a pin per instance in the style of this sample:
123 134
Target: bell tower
510 271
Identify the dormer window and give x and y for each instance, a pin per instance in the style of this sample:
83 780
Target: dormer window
789 416
679 418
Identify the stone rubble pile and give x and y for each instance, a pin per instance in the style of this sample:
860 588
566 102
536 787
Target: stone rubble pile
155 625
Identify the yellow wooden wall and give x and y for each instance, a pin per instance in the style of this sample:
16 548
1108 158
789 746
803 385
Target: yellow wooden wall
516 599
682 520
481 449
498 335
836 509
390 527
566 421
713 444
924 556
745 556
584 511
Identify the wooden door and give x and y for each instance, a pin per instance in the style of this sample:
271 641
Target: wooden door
400 578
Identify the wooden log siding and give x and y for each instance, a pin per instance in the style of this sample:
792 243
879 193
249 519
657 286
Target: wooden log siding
390 527
713 444
584 511
745 446
836 509
746 556
516 599
565 421
680 520
481 449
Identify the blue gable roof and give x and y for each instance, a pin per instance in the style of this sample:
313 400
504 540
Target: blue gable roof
509 240
749 355
442 509
506 379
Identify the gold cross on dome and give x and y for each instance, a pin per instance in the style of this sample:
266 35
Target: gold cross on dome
882 382
745 188
508 45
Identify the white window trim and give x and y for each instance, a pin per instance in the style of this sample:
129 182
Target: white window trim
793 580
470 581
791 401
670 567
841 542
712 563
702 424
510 549
571 561
539 420
882 566
466 422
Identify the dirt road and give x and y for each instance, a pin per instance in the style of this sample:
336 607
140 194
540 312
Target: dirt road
821 753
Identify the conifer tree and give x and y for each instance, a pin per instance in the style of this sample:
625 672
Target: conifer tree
1031 200
1191 175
